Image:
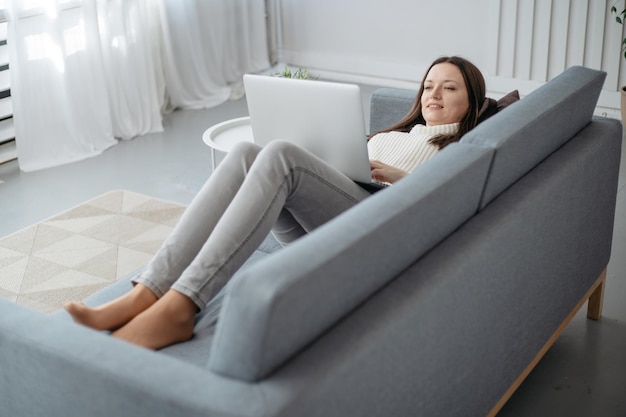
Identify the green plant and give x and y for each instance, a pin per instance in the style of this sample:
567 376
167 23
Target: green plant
620 18
300 74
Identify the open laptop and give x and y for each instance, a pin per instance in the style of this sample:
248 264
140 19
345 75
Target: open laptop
325 118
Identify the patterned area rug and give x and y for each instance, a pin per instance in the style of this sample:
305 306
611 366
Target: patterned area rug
76 253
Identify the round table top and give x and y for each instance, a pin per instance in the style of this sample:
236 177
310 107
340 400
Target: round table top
223 136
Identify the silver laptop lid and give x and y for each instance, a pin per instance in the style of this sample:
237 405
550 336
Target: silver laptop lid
325 118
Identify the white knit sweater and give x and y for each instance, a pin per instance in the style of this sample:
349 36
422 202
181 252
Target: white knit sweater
407 150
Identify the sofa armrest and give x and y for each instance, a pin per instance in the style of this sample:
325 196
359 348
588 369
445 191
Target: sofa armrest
287 300
52 367
388 106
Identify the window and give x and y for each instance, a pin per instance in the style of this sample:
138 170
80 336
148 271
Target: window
7 131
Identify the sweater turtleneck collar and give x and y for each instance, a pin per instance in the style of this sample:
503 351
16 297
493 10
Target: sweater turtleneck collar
447 129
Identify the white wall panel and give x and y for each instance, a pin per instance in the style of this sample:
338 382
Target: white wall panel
518 44
577 33
524 39
508 29
541 45
559 27
595 35
493 42
560 34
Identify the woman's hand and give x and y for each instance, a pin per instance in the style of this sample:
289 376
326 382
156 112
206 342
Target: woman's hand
386 173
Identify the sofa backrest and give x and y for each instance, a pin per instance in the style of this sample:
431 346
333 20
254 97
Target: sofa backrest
276 308
388 106
542 122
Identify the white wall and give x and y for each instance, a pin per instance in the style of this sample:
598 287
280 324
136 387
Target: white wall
518 44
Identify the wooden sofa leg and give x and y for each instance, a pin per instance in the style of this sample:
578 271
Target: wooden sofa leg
594 297
594 306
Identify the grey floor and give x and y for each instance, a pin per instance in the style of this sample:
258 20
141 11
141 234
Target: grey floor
583 374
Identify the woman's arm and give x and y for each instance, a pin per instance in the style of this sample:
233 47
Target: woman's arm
386 173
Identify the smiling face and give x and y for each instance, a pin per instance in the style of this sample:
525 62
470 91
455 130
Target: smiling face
445 98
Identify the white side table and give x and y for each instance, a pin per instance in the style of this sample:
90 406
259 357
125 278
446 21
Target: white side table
223 136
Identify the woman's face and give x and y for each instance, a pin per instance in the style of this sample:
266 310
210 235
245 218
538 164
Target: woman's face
445 99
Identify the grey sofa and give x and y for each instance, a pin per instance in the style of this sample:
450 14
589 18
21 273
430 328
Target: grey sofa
434 297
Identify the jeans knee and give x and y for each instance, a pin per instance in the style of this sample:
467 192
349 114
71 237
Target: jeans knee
279 146
242 152
246 148
282 150
283 155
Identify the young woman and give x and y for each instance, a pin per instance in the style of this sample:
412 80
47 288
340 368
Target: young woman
279 188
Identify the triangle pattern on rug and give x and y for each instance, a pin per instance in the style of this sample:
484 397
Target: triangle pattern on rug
46 235
149 241
69 278
76 253
21 242
130 260
73 251
9 256
39 271
111 201
49 301
12 276
80 224
103 265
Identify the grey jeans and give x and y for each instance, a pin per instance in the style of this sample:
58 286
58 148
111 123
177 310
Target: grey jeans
279 188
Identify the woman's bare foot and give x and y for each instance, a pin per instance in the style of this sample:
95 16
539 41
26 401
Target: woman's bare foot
113 314
168 321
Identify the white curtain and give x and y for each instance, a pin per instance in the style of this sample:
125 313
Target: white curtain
129 41
85 72
209 46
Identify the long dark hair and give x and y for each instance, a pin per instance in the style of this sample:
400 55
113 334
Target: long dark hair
475 84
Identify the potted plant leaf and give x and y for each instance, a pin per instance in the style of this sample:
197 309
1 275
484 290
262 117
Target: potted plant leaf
299 74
